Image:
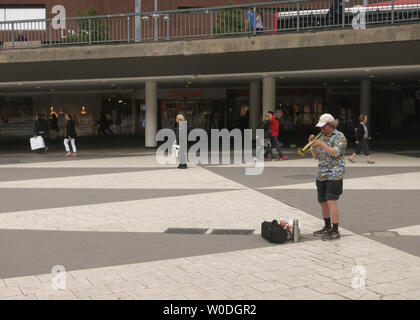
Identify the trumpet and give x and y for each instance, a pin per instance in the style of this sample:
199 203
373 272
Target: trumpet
301 151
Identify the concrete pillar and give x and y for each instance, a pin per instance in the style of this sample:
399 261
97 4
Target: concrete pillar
365 97
269 94
254 105
151 114
133 113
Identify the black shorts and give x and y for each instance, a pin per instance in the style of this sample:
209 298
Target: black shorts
329 190
362 146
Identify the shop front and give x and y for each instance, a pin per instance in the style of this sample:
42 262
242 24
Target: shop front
202 108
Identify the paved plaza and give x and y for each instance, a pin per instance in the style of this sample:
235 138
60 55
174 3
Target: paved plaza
125 227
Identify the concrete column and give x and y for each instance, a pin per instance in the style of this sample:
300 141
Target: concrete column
151 114
133 113
365 97
254 105
269 94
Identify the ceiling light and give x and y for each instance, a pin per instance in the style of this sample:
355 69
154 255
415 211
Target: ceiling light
371 76
346 80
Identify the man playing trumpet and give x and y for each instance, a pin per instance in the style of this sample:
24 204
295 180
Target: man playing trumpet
329 150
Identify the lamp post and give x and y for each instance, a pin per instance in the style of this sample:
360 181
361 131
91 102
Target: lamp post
156 21
137 21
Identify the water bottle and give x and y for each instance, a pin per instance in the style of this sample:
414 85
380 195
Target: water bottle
295 230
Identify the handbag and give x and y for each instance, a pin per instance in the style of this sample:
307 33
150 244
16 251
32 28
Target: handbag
273 232
37 143
267 142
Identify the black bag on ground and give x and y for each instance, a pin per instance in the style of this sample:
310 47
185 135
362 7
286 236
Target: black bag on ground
273 232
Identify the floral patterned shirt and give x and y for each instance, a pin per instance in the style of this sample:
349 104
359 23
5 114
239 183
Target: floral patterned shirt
332 168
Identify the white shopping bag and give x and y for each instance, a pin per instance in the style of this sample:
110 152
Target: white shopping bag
175 151
37 143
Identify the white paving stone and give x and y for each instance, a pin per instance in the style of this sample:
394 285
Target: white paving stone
305 270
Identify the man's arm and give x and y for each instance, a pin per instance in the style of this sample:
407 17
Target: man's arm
336 150
331 151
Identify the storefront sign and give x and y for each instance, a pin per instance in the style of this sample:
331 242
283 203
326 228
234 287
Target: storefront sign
185 93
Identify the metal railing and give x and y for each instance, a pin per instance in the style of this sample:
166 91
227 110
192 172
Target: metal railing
250 19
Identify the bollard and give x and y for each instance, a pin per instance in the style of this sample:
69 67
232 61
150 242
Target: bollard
295 230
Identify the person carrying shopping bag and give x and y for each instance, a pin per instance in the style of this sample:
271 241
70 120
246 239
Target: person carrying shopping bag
41 128
70 136
182 152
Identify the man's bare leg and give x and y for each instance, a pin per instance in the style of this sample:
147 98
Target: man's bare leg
325 210
333 209
327 220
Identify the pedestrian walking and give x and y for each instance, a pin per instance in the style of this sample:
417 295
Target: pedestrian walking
70 136
41 128
250 20
288 128
265 125
182 151
259 23
116 118
53 127
104 124
274 125
329 150
362 140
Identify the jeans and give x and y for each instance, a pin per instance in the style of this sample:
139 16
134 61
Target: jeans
276 145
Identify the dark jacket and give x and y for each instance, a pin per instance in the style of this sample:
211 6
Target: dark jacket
54 124
41 126
266 125
360 133
70 129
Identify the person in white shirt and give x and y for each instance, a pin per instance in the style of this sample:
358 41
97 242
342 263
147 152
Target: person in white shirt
259 26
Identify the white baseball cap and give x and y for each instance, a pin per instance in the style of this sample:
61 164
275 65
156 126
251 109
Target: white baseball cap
324 119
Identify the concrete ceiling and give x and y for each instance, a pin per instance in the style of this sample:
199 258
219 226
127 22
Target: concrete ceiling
397 75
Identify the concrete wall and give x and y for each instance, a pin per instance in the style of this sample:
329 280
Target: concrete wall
330 38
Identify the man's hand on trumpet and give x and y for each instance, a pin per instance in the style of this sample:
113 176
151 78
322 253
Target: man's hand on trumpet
318 143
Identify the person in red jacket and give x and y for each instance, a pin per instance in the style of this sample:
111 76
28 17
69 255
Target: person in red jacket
274 123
